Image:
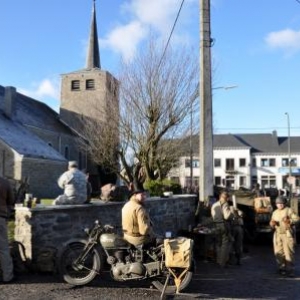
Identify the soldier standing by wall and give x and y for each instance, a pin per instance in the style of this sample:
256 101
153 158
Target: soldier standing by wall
283 220
6 202
222 216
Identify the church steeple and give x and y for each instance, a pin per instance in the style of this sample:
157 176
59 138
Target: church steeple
93 55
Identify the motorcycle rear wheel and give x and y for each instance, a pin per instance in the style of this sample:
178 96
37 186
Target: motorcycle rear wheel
171 287
80 274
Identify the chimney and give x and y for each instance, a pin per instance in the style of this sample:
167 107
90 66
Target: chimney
10 96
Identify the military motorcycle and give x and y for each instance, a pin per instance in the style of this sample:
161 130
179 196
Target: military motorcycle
81 260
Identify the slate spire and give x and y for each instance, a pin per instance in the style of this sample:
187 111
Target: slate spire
93 55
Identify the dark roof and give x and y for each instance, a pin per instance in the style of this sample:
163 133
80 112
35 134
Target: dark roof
268 143
21 140
27 113
35 113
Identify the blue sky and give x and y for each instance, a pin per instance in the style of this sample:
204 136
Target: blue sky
256 47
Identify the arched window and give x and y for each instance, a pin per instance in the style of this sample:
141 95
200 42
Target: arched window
67 152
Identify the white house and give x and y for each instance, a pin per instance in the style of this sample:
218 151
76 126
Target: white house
242 160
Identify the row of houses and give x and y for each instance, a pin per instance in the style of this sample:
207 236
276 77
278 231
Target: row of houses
242 160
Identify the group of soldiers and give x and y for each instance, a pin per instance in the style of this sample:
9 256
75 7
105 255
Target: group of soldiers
228 221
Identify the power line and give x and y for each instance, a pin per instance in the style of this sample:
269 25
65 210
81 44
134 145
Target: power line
171 33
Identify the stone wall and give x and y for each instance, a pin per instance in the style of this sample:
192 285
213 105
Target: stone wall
43 230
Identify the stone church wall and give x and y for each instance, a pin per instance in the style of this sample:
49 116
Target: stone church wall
43 175
44 230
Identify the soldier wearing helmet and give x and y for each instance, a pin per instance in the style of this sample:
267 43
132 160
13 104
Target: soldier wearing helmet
283 221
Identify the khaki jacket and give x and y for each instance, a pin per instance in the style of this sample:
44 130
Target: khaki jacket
278 216
220 212
136 223
6 198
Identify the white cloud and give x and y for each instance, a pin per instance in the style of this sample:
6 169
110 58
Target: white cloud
159 14
46 91
124 39
287 40
144 17
45 88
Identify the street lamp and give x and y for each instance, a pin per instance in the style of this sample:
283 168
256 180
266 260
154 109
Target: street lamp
225 87
289 154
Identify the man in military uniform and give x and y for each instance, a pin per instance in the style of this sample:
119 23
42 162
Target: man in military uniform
74 183
283 220
136 222
222 216
237 233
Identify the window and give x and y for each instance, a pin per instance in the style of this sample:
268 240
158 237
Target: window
90 84
285 162
190 183
254 162
217 162
230 181
67 152
268 181
272 162
268 162
229 164
294 162
264 162
242 181
75 85
242 162
218 180
195 163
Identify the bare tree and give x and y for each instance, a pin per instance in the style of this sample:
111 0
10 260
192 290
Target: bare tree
157 96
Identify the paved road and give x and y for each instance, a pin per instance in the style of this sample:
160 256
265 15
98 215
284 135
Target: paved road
255 279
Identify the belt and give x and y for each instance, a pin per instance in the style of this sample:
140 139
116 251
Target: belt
132 234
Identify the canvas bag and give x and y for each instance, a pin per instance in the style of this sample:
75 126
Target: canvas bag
263 205
178 252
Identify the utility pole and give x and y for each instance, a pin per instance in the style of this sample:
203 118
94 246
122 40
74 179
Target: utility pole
205 92
191 150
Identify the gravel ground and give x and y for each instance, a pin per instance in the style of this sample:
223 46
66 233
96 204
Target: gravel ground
256 278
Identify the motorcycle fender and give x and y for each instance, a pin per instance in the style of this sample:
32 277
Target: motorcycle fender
69 242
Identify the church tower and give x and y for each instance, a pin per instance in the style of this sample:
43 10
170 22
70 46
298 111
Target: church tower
89 92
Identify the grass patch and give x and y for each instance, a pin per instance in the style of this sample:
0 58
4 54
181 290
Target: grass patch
11 230
46 201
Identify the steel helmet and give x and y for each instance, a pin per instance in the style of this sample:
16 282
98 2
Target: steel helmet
280 200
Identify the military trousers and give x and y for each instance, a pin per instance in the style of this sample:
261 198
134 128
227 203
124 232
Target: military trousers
223 243
284 250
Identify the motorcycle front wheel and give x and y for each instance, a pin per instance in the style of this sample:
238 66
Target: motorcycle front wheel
83 272
171 287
